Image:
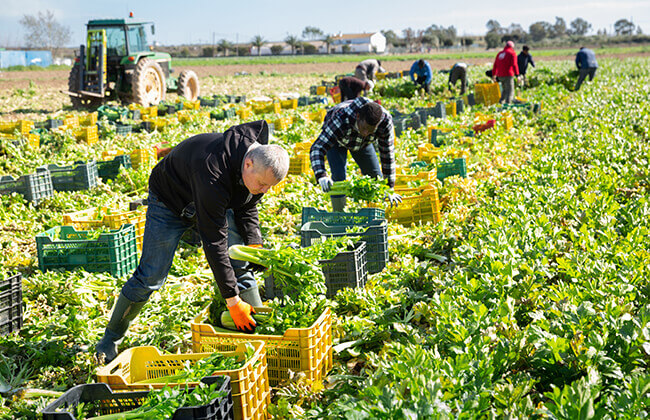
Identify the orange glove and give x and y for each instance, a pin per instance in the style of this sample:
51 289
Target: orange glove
241 313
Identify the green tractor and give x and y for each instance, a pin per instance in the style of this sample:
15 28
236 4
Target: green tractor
117 64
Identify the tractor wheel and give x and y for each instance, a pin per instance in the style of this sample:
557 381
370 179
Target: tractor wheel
148 83
73 86
188 85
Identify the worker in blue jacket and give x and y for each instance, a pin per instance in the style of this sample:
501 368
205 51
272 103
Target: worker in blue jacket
423 71
587 65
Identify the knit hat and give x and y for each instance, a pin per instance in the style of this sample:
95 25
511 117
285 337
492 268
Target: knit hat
510 44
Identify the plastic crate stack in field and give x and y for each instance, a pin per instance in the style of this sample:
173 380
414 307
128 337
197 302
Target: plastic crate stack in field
112 218
110 169
251 394
77 177
99 399
11 304
300 162
87 134
307 350
374 233
34 187
418 205
63 247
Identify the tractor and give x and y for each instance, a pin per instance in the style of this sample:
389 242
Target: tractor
117 64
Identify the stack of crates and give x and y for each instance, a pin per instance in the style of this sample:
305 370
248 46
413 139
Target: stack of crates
113 218
34 187
11 304
77 177
418 205
109 169
88 119
487 93
64 247
317 225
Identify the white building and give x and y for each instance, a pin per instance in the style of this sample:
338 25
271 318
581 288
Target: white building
371 42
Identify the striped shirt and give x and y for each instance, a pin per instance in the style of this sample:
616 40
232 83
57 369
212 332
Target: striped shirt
339 129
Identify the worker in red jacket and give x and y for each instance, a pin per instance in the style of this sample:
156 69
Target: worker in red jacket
505 69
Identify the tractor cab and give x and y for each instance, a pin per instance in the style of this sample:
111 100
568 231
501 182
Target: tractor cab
117 63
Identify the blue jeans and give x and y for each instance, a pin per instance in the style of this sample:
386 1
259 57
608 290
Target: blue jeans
162 233
366 158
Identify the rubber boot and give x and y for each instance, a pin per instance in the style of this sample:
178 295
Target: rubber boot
251 296
124 312
338 203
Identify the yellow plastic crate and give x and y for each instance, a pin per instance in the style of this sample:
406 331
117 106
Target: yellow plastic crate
283 123
184 116
277 188
336 98
423 207
321 90
109 217
266 107
302 147
318 116
381 76
23 126
71 121
289 103
507 121
307 350
191 105
143 158
299 164
33 140
402 180
87 134
244 112
88 119
450 109
110 154
427 152
487 93
251 393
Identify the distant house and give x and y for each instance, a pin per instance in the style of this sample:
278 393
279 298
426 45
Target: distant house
359 43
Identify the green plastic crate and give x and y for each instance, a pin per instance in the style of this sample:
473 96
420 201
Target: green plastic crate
360 218
64 247
35 187
457 167
375 234
11 304
109 169
77 177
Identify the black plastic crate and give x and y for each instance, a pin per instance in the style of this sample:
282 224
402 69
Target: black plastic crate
11 304
77 177
360 218
460 106
110 169
346 269
34 187
123 129
375 234
440 110
99 399
403 122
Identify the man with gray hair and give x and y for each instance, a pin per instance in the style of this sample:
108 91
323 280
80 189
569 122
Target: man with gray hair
213 181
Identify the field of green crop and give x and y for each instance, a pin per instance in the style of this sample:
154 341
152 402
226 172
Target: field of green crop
530 299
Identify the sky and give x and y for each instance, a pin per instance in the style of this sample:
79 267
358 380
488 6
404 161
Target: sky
198 21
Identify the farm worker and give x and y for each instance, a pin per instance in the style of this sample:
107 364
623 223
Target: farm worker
587 65
504 70
458 72
523 59
367 69
351 87
354 126
213 181
423 71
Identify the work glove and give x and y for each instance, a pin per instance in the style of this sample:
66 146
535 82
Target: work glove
394 198
242 315
326 183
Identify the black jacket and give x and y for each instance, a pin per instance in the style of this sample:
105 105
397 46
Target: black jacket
206 170
523 60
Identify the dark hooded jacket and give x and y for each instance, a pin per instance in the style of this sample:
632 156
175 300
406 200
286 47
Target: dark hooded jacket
204 173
